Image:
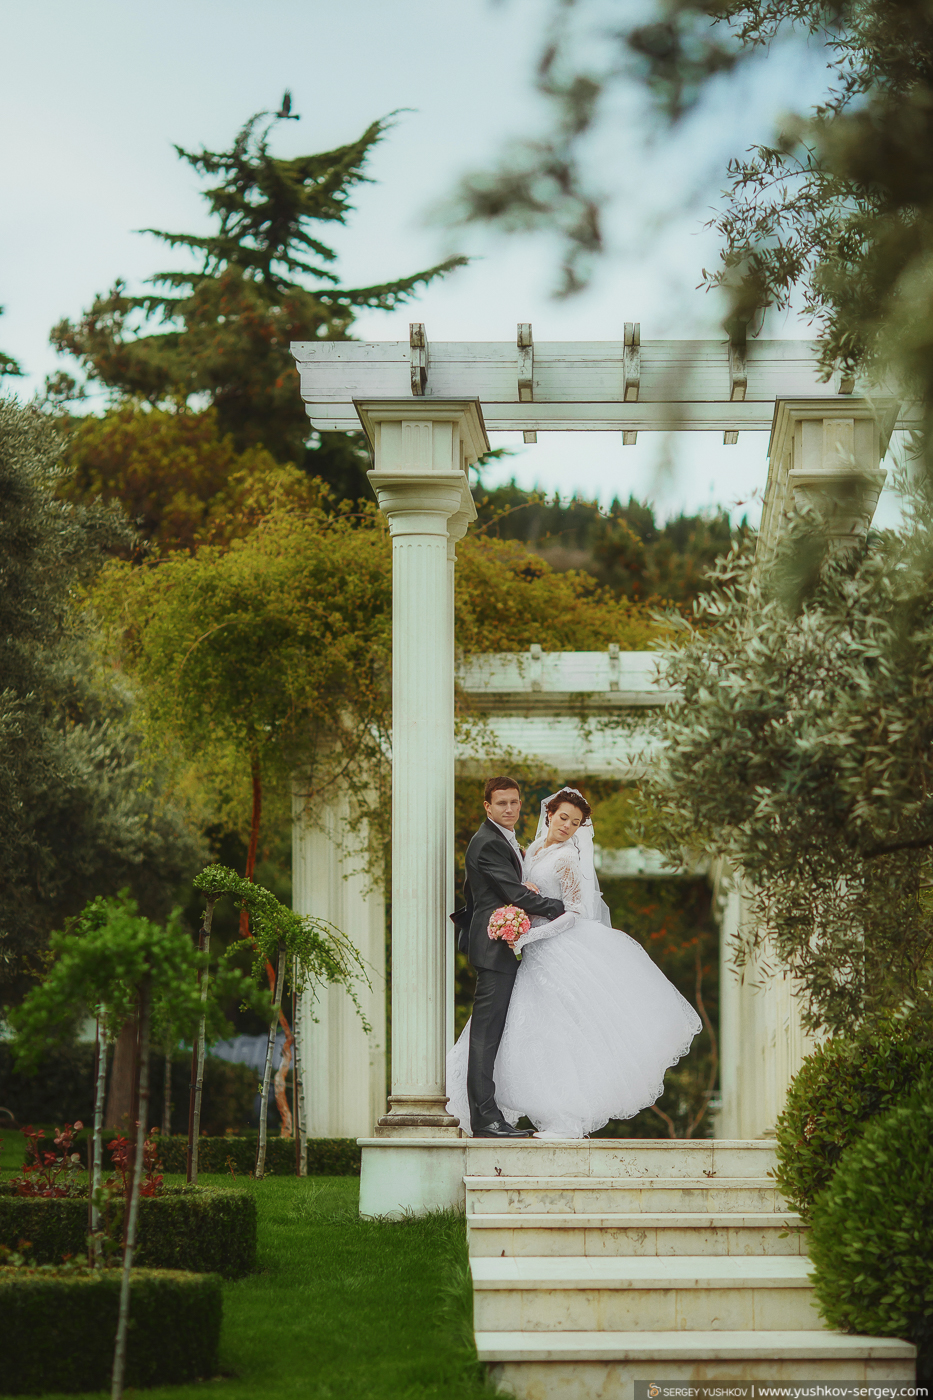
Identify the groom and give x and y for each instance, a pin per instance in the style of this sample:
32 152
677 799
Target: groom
493 878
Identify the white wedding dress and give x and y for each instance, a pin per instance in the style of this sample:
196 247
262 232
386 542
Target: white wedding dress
593 1024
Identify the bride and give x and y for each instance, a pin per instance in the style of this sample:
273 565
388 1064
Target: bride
592 1024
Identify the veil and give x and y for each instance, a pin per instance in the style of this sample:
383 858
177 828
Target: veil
583 838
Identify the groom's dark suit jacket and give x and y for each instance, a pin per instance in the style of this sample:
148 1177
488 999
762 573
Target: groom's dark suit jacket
494 878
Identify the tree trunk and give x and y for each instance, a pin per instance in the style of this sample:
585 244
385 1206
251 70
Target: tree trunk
255 821
298 1095
167 1094
97 1142
122 1092
267 1071
194 1122
281 1080
281 1101
132 1207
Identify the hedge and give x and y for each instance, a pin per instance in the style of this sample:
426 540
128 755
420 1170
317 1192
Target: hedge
202 1229
62 1089
872 1233
838 1089
58 1329
326 1156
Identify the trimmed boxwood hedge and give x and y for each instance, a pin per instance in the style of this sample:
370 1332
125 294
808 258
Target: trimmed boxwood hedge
838 1089
204 1229
872 1234
58 1329
326 1156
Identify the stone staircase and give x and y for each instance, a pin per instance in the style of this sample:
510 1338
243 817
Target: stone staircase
599 1263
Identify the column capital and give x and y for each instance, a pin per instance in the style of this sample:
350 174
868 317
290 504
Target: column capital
422 452
423 435
824 455
422 504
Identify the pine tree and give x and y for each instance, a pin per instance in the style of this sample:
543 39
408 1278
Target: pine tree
264 278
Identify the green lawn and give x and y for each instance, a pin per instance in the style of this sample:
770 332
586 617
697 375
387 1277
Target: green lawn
13 1148
344 1308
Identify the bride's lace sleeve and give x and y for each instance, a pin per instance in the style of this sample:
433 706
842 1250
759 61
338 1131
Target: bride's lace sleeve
567 866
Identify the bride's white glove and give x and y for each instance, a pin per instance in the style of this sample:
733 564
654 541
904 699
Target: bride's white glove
547 929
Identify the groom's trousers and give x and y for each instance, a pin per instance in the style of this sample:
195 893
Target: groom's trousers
490 1008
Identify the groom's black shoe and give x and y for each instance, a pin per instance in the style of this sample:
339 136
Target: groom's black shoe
498 1128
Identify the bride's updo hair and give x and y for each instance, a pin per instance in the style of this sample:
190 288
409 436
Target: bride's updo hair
575 800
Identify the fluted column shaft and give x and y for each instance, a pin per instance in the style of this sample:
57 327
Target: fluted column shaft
344 1068
421 455
456 529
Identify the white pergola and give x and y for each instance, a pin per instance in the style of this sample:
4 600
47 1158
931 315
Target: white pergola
426 410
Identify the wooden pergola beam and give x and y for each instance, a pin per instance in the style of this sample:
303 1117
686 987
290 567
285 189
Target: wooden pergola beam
628 386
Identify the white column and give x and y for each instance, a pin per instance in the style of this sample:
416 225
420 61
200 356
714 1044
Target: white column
728 900
824 456
344 1068
456 528
422 452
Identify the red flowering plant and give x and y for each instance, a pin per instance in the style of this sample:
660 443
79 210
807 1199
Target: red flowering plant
49 1172
119 1149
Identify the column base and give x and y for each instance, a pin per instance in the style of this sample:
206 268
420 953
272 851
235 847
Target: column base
404 1175
418 1115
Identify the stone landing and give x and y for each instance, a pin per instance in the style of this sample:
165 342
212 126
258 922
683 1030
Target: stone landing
403 1175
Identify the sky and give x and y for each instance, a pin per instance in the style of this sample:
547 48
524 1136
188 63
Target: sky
94 96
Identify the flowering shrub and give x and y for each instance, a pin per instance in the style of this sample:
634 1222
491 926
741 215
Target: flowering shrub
49 1173
120 1149
508 923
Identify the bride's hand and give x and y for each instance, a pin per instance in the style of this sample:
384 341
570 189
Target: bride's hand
530 886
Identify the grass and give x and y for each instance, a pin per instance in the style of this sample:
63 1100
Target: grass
343 1308
13 1148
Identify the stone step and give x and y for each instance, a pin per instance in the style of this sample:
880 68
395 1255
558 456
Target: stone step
610 1195
623 1157
495 1236
581 1365
692 1293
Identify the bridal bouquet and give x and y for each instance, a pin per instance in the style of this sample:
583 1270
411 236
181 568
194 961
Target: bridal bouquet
508 923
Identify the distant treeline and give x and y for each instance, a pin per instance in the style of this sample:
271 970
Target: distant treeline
622 546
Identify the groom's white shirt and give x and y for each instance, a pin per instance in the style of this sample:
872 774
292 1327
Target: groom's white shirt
510 837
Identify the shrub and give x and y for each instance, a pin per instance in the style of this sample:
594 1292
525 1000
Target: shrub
228 1094
237 1154
837 1090
203 1229
62 1089
872 1229
334 1157
58 1329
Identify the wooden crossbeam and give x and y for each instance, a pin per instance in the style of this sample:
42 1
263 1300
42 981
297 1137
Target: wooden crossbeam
418 358
526 371
626 386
